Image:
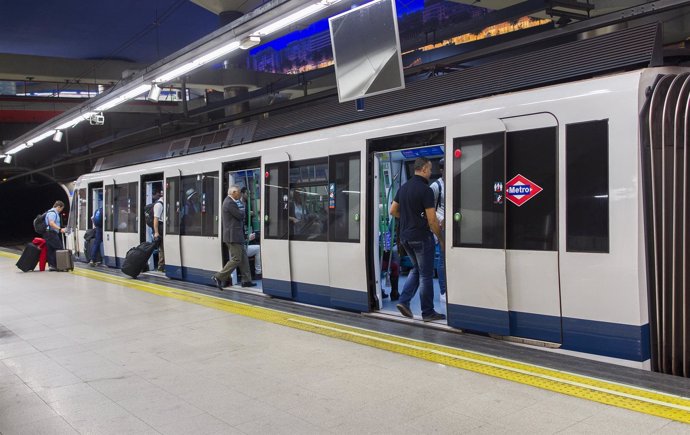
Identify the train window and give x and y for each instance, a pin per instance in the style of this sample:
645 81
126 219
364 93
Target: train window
108 208
478 214
209 204
308 210
276 201
83 211
190 205
532 154
344 197
172 205
126 208
587 187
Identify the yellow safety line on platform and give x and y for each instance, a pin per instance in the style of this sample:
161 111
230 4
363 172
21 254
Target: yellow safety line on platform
610 393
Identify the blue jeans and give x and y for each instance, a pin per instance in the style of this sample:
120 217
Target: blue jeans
442 270
96 247
421 276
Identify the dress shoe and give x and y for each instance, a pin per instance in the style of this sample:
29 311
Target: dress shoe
435 316
384 295
218 283
405 310
249 284
395 295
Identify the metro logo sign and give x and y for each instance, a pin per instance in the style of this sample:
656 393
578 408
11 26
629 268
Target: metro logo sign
519 190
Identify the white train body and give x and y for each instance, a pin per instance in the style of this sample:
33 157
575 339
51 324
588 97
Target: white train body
590 303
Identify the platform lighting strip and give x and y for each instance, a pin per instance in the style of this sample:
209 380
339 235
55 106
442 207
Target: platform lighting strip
183 69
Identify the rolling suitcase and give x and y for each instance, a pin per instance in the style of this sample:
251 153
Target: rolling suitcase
136 258
29 258
64 261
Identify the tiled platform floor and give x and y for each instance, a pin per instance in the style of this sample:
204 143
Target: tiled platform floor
83 356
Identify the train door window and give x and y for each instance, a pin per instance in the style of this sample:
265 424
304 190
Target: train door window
533 154
108 209
276 202
83 209
172 206
480 221
308 211
344 197
209 204
587 186
190 205
126 208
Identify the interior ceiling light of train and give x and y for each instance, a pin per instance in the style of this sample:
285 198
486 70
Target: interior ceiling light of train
267 64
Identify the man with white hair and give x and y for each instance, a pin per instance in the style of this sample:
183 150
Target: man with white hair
233 237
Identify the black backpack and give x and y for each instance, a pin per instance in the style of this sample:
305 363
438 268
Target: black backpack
40 223
148 213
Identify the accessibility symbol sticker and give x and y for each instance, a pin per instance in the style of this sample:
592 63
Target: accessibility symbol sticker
519 190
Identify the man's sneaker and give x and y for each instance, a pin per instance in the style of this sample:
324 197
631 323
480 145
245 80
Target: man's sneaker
249 284
405 310
92 264
435 316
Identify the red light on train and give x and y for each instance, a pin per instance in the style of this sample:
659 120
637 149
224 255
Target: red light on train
458 153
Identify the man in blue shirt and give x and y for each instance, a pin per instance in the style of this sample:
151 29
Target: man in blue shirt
53 232
415 206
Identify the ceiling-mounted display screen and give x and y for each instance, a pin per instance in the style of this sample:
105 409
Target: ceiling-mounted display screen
366 50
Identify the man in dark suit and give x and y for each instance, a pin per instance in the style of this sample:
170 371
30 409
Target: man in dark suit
233 237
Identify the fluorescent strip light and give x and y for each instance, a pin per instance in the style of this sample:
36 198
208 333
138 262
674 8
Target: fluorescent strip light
16 150
122 98
40 137
74 121
194 64
294 17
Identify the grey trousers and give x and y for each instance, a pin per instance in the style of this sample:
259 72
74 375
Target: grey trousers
238 258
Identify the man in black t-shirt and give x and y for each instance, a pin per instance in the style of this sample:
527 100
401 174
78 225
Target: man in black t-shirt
415 206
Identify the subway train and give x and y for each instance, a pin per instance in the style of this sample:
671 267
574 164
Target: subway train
556 214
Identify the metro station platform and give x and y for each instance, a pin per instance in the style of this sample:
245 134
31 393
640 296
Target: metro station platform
92 351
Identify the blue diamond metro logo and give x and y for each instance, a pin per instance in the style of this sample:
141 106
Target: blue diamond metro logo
519 190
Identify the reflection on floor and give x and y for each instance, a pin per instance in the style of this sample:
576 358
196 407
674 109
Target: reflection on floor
389 306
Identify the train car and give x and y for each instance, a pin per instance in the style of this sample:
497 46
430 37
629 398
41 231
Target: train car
546 218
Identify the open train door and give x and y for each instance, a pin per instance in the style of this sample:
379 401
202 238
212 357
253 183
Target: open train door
475 227
109 248
277 274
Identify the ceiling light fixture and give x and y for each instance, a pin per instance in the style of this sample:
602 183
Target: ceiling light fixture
74 121
294 17
194 64
39 138
122 98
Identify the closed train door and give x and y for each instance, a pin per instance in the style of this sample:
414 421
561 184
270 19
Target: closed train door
503 263
277 273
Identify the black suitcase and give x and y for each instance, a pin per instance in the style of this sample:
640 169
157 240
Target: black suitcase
136 258
29 258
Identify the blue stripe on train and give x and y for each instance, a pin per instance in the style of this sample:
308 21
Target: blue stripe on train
629 342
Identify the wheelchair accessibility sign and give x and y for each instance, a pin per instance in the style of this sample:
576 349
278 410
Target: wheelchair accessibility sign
519 190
